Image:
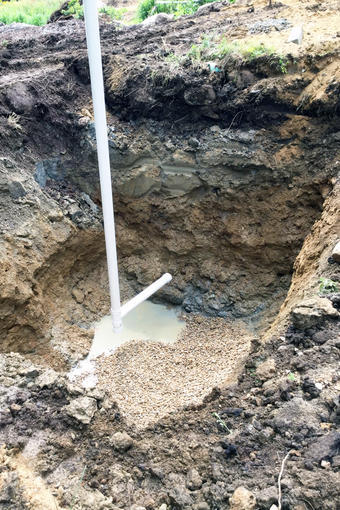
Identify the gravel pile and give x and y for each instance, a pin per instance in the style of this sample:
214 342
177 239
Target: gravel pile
149 380
267 25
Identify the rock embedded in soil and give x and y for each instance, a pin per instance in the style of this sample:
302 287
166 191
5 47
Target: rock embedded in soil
82 409
48 379
266 370
121 441
267 496
296 414
194 481
325 448
313 312
336 252
242 499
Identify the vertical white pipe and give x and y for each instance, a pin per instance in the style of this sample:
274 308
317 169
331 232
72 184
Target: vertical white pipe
97 86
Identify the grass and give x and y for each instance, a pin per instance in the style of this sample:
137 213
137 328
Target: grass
211 49
32 12
328 286
116 13
149 7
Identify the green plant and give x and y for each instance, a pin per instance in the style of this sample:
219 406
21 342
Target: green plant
74 9
291 376
327 286
113 13
221 422
211 49
149 7
282 65
4 43
144 9
32 12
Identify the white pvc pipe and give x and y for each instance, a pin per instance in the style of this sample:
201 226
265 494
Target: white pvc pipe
142 296
97 86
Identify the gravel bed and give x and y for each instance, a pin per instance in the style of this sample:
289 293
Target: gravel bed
149 380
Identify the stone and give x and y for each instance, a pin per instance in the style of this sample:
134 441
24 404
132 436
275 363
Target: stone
49 169
336 461
267 496
74 389
158 19
296 35
312 312
194 481
180 497
20 98
55 215
296 414
336 252
176 183
94 208
8 163
74 212
47 379
121 441
324 448
202 505
143 181
40 175
78 295
137 507
16 188
82 409
266 369
163 507
242 499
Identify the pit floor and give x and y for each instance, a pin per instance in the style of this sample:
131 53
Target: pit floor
160 363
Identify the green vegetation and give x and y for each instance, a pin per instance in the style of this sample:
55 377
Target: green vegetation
221 422
211 49
327 286
149 7
113 12
291 377
32 12
74 9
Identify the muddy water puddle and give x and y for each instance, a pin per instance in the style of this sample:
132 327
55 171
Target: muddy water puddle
147 322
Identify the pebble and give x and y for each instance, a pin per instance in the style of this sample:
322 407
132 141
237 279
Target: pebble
121 441
336 252
242 499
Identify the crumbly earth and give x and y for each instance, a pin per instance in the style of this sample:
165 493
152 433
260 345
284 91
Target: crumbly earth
228 180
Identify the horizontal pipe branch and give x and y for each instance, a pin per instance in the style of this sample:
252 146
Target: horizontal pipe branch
145 294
